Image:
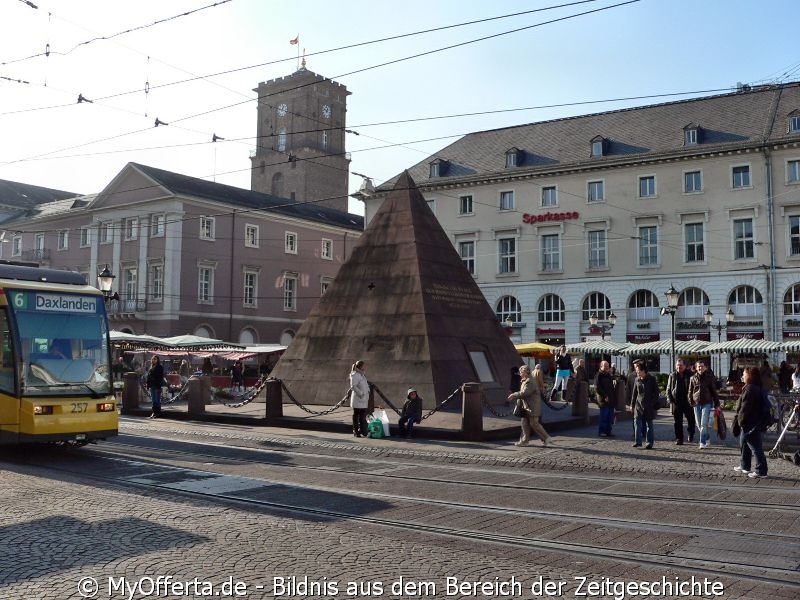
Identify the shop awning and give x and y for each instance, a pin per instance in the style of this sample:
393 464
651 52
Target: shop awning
597 347
748 346
665 347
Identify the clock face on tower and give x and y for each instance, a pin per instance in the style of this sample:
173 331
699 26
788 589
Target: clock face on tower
282 108
326 111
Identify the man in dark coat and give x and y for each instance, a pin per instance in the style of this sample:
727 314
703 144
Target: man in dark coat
644 403
678 396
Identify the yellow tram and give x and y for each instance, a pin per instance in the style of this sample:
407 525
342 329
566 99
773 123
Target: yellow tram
55 376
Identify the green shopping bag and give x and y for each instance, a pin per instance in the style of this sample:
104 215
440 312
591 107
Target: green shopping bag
375 429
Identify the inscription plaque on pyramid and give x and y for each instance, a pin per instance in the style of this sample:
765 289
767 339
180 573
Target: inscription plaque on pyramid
406 305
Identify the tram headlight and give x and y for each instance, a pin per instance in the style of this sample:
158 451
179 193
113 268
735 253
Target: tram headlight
106 407
43 410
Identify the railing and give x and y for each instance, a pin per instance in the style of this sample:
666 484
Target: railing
37 254
126 306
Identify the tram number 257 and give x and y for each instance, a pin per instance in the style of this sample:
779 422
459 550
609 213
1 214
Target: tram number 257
79 407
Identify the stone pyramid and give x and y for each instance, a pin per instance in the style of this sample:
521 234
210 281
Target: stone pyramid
406 305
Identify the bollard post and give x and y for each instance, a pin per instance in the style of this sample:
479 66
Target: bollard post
198 391
130 393
274 400
472 412
621 389
580 402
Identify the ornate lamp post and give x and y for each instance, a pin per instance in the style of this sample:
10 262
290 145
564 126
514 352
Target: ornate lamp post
670 309
604 328
729 318
105 279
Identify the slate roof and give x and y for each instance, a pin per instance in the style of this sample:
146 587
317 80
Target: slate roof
727 122
186 186
25 196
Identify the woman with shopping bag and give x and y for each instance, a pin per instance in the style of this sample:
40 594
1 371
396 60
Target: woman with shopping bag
529 408
359 398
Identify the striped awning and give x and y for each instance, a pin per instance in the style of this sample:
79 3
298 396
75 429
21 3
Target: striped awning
665 347
597 347
747 346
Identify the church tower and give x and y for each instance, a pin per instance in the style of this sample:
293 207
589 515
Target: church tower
300 149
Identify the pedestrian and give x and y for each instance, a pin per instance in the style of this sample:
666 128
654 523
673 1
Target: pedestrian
185 370
796 378
207 367
748 419
644 403
236 376
704 399
766 375
678 396
155 381
784 377
564 371
604 393
359 398
411 413
530 398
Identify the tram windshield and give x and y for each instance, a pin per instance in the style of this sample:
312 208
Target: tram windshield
63 344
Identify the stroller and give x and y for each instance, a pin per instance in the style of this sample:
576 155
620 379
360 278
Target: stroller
776 452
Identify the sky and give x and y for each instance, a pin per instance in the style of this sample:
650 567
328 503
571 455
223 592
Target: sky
193 64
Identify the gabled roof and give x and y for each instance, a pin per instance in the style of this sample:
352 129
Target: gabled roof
25 196
730 121
192 187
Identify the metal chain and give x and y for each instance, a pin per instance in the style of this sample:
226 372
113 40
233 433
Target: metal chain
445 401
491 409
385 399
314 412
248 396
546 400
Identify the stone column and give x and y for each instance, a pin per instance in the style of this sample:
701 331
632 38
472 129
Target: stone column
580 401
274 399
472 412
130 393
199 393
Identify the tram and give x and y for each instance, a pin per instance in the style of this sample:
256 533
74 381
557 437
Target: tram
55 358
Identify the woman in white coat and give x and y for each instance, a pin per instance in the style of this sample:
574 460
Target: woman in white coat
359 398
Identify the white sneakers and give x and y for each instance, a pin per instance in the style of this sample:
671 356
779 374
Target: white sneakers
520 443
741 471
706 445
755 475
547 442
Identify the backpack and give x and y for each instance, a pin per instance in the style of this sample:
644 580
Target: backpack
768 411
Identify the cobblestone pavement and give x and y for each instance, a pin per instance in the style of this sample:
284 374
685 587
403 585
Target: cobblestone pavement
61 530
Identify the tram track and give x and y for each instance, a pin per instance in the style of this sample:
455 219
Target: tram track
158 478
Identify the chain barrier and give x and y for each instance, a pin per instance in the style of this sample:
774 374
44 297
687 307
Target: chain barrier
314 412
385 399
491 409
445 401
546 400
243 399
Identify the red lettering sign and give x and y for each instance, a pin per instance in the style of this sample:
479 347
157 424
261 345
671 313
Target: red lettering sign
530 219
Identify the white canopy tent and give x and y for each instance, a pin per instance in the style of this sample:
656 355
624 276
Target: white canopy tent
665 347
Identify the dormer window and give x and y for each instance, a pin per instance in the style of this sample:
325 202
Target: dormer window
794 121
438 168
599 145
513 158
691 135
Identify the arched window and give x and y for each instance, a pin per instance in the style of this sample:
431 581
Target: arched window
692 304
551 309
791 300
282 140
596 302
509 307
643 306
287 337
204 331
276 189
248 336
746 301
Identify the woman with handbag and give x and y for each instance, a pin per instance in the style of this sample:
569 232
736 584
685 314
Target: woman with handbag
747 425
529 408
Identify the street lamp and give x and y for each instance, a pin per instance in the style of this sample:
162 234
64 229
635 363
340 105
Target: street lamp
612 320
105 279
670 309
729 318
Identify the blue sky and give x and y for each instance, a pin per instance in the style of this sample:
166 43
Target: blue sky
641 48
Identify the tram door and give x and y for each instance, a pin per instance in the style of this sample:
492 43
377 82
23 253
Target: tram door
9 403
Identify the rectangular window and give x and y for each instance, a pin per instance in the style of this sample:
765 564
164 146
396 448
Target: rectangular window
597 148
131 228
511 160
129 279
692 182
551 252
207 228
794 124
647 186
86 237
157 225
598 249
794 235
695 250
507 251
290 243
793 171
156 283
251 236
549 196
289 292
106 233
16 245
595 191
467 252
743 241
205 285
327 249
506 200
648 246
741 177
690 137
63 239
38 243
465 205
324 284
250 291
434 170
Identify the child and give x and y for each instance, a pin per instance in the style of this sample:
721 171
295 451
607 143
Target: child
411 413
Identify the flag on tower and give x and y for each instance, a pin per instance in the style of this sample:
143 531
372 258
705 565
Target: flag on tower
295 41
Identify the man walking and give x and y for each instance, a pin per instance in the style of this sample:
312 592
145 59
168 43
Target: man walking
644 403
604 391
678 395
704 398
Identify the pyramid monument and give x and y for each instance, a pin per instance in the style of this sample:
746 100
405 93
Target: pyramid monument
406 305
